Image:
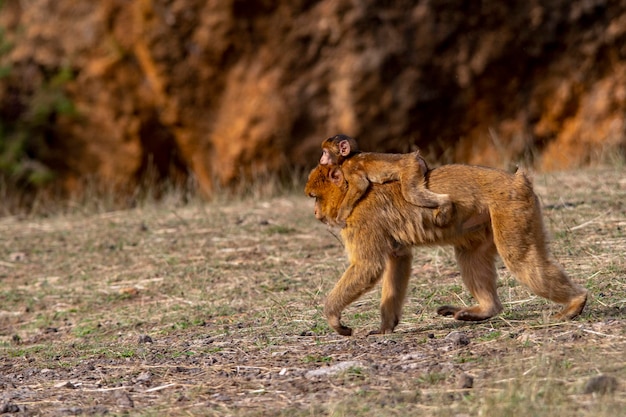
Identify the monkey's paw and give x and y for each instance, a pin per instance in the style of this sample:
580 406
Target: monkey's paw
344 330
475 313
443 215
448 310
574 308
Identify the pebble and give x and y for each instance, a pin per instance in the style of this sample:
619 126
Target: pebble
601 384
458 338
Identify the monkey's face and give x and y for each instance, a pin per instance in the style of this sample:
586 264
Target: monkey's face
328 186
326 158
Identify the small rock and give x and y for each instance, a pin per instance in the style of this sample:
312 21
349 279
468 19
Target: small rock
458 338
411 366
413 356
67 384
144 338
97 410
334 369
17 257
72 411
601 384
7 385
122 399
466 381
221 397
143 377
9 407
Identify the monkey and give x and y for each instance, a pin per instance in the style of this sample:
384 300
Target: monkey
338 148
495 213
362 168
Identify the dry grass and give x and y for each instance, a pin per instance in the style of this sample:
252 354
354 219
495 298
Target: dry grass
214 309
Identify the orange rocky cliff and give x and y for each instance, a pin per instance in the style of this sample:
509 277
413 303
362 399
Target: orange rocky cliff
237 88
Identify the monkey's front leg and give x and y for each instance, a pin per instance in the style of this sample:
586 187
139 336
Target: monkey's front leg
359 278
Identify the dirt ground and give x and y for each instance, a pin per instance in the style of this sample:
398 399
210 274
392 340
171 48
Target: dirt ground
215 309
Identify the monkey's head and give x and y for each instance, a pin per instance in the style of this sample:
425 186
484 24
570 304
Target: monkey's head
327 185
337 148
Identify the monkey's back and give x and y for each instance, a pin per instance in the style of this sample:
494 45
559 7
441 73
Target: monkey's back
386 218
468 182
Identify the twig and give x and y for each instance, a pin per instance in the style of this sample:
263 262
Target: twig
601 334
527 300
105 389
159 388
588 222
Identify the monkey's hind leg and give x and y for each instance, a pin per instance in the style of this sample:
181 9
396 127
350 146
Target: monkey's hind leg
477 263
543 276
529 259
395 281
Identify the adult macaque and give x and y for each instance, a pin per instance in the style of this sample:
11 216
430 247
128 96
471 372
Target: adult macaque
362 168
495 213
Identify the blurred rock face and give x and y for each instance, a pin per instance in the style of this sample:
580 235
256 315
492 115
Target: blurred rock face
236 88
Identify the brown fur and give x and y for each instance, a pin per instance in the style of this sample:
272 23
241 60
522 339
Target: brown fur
495 213
362 168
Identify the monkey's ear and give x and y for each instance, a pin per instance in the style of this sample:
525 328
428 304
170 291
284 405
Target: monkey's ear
422 163
344 148
335 175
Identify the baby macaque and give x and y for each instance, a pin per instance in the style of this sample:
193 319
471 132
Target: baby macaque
362 168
